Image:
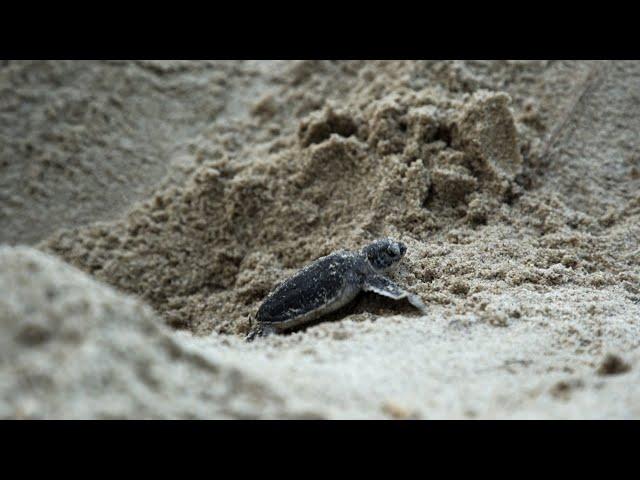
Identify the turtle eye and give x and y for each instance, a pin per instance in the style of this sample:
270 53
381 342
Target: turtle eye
394 250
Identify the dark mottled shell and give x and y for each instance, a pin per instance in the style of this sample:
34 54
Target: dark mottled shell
315 287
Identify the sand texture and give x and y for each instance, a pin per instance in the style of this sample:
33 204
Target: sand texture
147 208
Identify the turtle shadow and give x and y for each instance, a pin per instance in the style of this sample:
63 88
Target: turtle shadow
365 302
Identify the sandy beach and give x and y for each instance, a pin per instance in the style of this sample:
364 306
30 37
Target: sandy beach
147 208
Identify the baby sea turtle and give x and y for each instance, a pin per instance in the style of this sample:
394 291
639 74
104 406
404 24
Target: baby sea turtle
330 283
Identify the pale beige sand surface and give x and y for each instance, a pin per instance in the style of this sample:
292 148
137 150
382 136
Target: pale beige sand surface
193 188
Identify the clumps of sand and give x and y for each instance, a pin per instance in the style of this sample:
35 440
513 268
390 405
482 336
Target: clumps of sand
74 348
206 253
613 364
431 166
514 185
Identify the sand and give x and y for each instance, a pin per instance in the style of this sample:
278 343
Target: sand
162 201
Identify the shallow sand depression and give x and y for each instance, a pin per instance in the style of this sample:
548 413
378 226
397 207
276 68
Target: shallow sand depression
147 208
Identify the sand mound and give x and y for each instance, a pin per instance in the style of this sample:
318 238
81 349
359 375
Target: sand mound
353 177
71 347
514 184
407 164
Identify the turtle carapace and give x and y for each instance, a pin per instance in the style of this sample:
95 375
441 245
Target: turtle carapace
330 283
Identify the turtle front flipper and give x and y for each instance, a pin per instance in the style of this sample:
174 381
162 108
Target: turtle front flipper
385 287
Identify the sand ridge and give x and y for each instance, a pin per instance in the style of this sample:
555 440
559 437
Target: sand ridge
513 184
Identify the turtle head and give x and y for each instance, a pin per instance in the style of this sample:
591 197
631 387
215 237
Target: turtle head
384 253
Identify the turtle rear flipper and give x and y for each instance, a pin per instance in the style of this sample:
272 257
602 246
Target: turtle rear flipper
259 331
385 287
251 336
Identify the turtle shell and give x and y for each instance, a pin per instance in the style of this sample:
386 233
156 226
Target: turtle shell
323 286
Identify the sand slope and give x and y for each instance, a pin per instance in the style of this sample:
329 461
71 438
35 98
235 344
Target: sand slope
73 348
514 184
